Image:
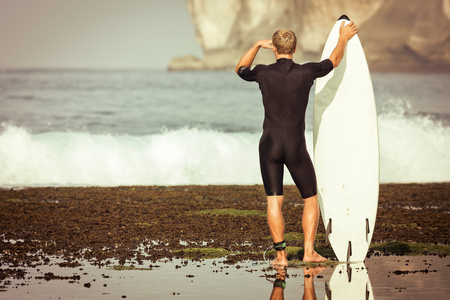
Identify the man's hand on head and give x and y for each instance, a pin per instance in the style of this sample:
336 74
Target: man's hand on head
266 44
247 59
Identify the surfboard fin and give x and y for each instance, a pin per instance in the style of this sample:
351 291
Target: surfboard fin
367 230
349 251
327 291
349 272
344 17
328 231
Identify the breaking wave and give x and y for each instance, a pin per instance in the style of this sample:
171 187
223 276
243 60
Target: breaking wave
412 149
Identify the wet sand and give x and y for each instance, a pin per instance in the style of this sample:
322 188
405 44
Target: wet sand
73 228
393 277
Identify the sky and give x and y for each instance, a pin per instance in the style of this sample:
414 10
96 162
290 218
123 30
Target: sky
95 33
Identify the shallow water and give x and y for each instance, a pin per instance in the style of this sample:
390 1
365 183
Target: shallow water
385 277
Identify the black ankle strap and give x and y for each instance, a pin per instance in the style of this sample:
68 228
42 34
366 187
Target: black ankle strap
280 246
279 283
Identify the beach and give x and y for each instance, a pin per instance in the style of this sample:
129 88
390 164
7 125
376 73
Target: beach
120 178
141 226
146 184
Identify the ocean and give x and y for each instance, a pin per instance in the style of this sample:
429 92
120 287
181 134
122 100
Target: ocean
146 127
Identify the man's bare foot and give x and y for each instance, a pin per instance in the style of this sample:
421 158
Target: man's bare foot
281 259
283 262
313 271
281 272
314 257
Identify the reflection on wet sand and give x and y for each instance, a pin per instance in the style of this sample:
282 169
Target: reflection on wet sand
279 284
309 292
348 281
310 274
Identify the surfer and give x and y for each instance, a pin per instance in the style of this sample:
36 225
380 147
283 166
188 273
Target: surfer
285 88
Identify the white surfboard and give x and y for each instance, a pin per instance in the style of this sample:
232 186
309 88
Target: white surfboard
346 151
349 281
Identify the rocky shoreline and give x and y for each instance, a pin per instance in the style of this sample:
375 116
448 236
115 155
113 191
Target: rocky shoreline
147 223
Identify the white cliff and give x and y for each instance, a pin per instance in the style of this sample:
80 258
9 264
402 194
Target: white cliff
396 34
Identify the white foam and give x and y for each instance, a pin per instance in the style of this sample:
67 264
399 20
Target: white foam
184 156
413 149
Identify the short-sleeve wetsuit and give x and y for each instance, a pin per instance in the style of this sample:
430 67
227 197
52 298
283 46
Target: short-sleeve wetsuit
285 88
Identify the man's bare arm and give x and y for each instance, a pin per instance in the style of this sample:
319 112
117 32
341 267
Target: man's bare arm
345 33
247 59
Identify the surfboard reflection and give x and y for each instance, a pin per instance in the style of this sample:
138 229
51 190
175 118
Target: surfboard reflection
349 281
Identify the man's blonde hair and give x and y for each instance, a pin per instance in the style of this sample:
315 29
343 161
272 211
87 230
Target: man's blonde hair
284 41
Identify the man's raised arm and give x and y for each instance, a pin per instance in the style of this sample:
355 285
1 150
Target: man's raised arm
345 33
249 56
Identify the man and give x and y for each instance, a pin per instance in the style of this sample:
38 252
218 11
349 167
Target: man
285 87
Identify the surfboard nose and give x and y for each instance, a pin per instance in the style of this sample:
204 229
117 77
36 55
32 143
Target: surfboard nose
344 17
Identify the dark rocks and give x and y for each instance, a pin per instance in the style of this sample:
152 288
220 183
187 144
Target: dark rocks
147 224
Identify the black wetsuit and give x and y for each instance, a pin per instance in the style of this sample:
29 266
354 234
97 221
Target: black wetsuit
285 88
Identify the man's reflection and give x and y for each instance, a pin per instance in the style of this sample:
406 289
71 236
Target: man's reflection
279 284
309 292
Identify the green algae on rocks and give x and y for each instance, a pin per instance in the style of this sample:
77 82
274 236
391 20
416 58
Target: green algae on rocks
232 212
404 248
202 253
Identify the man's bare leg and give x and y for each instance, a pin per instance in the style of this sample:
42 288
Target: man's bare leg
310 219
276 226
308 280
278 289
